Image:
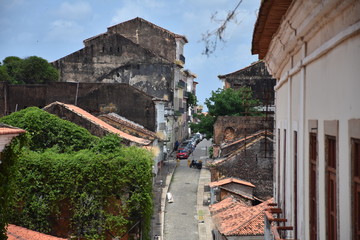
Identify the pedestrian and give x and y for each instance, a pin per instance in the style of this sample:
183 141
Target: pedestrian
189 162
176 146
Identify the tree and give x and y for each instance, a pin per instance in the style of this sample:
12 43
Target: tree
230 102
192 100
226 102
12 65
30 70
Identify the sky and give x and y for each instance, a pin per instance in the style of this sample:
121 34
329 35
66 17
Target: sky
52 29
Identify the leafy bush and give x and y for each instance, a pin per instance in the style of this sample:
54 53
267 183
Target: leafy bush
46 130
104 191
8 172
95 184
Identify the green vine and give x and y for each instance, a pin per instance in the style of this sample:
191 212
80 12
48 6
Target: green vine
7 175
69 183
104 192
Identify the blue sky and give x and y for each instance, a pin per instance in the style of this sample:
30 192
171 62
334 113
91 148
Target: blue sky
52 29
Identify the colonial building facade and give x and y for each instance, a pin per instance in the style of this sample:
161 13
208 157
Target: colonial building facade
143 55
312 48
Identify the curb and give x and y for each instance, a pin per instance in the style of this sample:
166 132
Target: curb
205 224
163 201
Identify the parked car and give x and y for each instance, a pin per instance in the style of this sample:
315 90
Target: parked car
183 153
187 144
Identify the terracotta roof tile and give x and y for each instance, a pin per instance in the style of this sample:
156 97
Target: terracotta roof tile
101 123
126 122
230 180
6 129
234 218
19 233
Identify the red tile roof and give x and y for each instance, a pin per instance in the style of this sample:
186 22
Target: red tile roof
101 124
127 123
19 233
234 218
6 129
230 180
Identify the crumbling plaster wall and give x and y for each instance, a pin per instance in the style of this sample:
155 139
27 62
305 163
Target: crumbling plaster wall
149 36
156 79
95 98
253 166
239 126
257 78
113 58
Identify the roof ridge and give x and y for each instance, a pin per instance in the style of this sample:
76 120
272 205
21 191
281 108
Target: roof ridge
77 110
154 25
240 70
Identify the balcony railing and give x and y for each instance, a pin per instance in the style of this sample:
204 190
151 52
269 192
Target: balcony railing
272 228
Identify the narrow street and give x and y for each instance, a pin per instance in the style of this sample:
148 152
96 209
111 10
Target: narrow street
181 217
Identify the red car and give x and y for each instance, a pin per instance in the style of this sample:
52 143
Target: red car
182 153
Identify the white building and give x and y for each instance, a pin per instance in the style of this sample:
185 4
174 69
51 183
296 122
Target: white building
312 48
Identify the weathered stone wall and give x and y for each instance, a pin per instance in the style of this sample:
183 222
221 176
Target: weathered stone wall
95 98
230 128
156 79
257 78
115 59
3 98
147 35
254 165
26 95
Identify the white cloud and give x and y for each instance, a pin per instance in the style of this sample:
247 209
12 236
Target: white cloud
75 11
62 30
138 8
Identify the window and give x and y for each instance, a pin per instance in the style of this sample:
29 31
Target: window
313 185
331 204
355 155
278 167
295 182
284 176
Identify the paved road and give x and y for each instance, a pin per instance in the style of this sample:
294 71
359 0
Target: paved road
181 220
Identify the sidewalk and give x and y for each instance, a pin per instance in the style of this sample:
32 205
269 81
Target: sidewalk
205 224
160 188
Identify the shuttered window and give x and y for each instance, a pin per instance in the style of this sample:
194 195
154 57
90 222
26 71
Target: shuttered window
313 186
356 187
331 204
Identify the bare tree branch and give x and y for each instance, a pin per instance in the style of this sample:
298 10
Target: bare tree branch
211 38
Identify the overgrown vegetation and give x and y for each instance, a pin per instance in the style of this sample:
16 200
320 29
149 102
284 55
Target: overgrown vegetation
67 177
225 102
46 130
8 172
30 70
